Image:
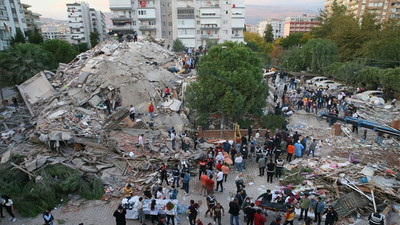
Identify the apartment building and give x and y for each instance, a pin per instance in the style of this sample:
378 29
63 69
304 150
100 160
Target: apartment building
56 32
98 22
197 22
83 20
32 19
143 17
296 24
382 9
278 27
11 18
194 22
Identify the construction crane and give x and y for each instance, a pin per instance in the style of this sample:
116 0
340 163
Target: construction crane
365 123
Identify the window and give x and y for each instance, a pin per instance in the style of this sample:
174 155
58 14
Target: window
163 23
134 23
225 31
198 32
226 12
198 22
142 12
152 22
225 22
169 32
170 24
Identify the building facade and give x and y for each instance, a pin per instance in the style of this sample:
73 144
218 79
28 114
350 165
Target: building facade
143 17
84 20
55 32
32 19
98 22
194 22
11 18
299 24
382 9
197 22
278 27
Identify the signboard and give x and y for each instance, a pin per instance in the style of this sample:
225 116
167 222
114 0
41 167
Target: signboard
142 4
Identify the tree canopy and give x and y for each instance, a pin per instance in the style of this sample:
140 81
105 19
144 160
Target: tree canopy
34 37
26 60
178 46
63 51
94 38
268 34
229 82
18 38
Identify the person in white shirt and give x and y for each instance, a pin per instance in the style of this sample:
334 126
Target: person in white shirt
220 178
153 211
139 206
238 162
173 140
141 142
257 134
132 113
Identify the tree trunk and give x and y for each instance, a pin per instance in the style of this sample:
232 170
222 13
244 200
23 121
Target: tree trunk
221 135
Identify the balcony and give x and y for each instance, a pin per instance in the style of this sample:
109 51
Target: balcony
211 5
122 27
237 36
147 27
209 26
209 36
121 18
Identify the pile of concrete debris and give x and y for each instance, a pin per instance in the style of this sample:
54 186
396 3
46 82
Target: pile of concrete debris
73 121
349 187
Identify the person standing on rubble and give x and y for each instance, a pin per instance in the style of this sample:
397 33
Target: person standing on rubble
176 174
141 142
298 149
279 166
163 173
376 218
173 139
290 150
107 103
312 148
135 36
8 204
151 110
48 217
132 113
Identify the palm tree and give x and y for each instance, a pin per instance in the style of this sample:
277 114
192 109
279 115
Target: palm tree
26 60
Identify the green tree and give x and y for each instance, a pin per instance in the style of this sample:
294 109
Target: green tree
178 46
318 54
291 40
390 80
26 60
34 36
229 83
18 38
94 38
268 34
62 50
81 47
368 77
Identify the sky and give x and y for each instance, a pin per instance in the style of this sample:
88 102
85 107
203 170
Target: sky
56 9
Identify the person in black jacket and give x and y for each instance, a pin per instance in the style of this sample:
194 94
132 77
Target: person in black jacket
250 211
331 216
234 210
119 215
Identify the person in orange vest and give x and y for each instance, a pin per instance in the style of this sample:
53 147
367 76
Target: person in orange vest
290 150
151 110
289 218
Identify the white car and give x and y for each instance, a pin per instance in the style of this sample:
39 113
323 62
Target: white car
316 79
324 84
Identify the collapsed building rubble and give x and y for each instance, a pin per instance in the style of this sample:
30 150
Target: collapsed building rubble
72 118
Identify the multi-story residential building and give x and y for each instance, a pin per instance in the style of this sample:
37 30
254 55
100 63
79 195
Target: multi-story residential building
303 24
11 18
278 27
55 32
196 22
251 28
83 20
143 17
381 9
98 22
32 19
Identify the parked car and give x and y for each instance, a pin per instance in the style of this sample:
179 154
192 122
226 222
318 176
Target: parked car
316 79
325 83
